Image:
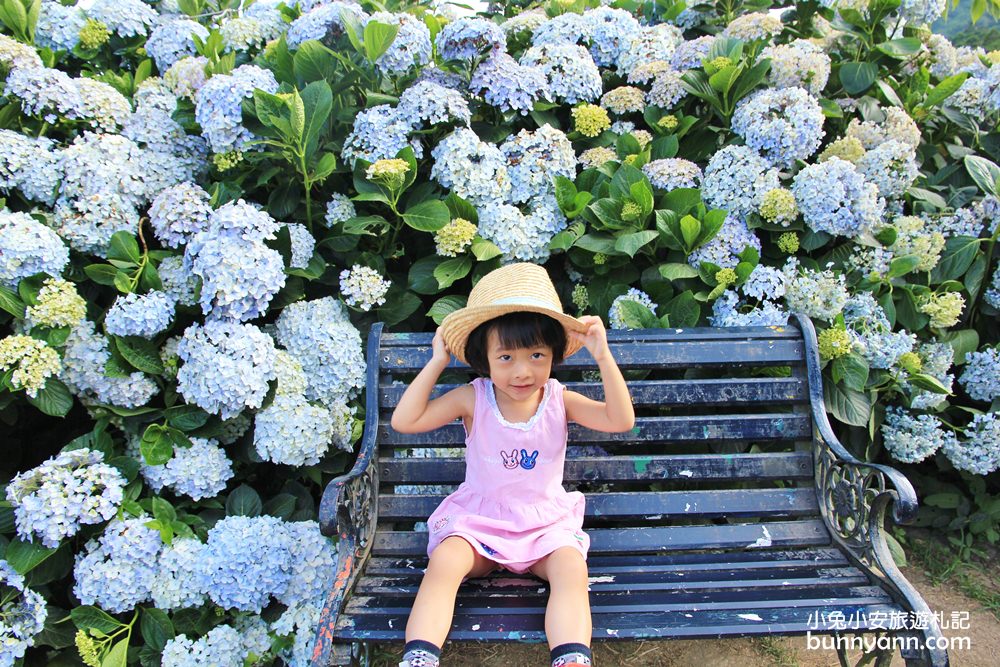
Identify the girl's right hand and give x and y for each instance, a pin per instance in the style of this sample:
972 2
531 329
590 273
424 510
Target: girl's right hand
441 352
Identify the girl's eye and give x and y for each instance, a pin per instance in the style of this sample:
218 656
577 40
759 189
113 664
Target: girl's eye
504 357
538 354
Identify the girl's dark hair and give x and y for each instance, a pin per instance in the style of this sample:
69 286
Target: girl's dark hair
517 330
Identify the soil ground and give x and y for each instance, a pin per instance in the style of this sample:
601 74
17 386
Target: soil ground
947 586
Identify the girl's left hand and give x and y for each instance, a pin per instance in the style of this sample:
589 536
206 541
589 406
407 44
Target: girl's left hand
595 339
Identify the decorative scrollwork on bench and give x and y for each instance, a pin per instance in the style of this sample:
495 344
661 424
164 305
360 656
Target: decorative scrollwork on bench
356 507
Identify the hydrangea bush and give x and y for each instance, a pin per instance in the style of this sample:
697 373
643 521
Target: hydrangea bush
205 205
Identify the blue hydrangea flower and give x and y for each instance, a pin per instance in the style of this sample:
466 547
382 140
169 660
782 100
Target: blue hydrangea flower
472 169
568 28
338 209
323 22
569 69
428 103
313 562
239 276
616 318
84 357
142 315
891 166
247 561
303 245
103 165
172 40
178 213
291 431
48 93
58 26
689 54
798 64
379 132
299 623
226 367
911 439
534 159
221 647
783 124
23 613
507 85
469 37
922 12
650 44
992 293
219 106
833 197
88 223
765 282
54 499
125 18
28 247
177 583
31 165
981 377
729 311
936 360
672 173
736 179
522 237
723 250
979 452
611 33
819 294
116 571
199 471
320 335
411 48
178 282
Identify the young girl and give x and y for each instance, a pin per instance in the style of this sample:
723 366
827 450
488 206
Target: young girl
511 511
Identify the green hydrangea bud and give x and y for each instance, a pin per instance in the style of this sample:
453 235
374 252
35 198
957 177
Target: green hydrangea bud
590 120
228 160
455 237
580 298
600 258
668 123
94 34
778 206
834 342
726 277
788 243
910 362
631 211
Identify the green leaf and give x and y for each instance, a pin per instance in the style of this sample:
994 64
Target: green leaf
186 417
53 399
314 62
677 271
156 628
428 216
851 369
977 10
156 446
26 556
102 274
959 253
900 266
142 354
163 511
962 342
847 405
124 247
857 77
281 506
984 172
123 283
317 102
947 501
723 80
378 37
928 382
485 250
87 617
664 148
631 243
243 501
421 276
683 310
459 208
11 302
690 228
637 316
450 270
118 655
945 89
445 305
900 48
14 16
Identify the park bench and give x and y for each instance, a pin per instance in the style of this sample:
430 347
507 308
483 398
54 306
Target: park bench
730 510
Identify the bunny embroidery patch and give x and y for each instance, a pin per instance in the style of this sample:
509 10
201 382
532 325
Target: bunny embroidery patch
528 460
512 460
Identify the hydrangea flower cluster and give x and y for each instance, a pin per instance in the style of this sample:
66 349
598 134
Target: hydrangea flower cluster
176 584
611 35
911 439
455 238
84 358
736 179
431 103
835 198
172 40
981 377
472 169
31 165
597 156
729 311
379 132
723 250
245 33
125 18
222 646
28 247
142 315
508 85
979 450
363 287
689 54
624 100
818 294
616 318
897 126
913 238
799 64
569 69
672 173
299 622
53 499
891 166
568 28
58 26
871 332
783 124
935 360
292 431
116 571
32 361
667 89
750 27
186 76
656 43
109 166
178 213
178 282
320 335
218 106
199 471
57 304
765 282
522 236
411 48
534 159
20 619
246 561
469 37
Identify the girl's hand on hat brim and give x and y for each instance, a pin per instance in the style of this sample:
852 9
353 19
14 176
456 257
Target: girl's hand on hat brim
595 339
441 352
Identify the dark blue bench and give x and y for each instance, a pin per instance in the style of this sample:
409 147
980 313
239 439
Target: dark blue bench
731 510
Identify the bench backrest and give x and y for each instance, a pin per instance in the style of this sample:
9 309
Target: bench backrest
720 456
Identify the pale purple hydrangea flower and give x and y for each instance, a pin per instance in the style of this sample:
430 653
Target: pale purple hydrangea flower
979 451
23 612
835 198
219 106
428 103
724 248
142 315
783 125
379 132
534 159
126 18
981 377
469 37
736 180
199 471
178 213
912 438
116 570
411 48
172 39
520 236
84 359
672 173
472 169
507 85
31 165
569 69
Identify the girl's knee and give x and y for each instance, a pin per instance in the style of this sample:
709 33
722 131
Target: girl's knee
566 564
454 555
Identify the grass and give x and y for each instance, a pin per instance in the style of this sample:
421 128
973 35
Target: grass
941 565
775 650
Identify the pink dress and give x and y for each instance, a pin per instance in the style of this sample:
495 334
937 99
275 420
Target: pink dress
512 507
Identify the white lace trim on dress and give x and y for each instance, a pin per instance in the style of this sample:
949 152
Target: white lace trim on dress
491 397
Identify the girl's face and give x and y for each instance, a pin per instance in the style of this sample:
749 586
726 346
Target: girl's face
519 373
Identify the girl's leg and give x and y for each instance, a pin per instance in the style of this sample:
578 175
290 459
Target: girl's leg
567 615
450 562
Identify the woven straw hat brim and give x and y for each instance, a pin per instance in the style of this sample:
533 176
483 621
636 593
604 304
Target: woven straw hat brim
457 326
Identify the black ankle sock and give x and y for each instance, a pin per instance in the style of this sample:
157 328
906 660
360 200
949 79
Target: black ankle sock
564 653
419 653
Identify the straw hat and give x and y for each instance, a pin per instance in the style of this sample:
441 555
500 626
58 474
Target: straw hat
509 289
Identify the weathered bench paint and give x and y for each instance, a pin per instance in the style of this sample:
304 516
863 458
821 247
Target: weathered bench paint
730 510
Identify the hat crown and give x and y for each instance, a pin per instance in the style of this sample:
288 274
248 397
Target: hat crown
516 284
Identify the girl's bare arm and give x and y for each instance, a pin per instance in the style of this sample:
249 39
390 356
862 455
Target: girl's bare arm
415 413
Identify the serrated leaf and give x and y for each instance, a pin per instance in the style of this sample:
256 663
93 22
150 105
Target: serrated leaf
857 77
448 271
677 271
156 628
851 369
243 501
140 353
485 250
847 405
632 243
87 617
984 172
11 302
445 305
428 216
124 247
26 556
54 399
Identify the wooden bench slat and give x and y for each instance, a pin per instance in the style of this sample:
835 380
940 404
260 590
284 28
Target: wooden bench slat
625 468
756 427
655 539
393 339
653 354
691 623
648 505
664 393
